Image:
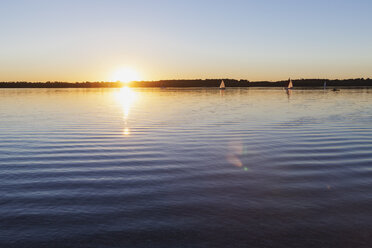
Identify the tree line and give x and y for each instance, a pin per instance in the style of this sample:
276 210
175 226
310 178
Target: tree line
357 82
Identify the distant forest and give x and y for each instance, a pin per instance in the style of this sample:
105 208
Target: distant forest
358 82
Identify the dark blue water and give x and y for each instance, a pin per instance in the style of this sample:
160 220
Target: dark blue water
185 168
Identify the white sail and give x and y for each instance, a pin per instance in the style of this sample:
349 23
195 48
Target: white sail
290 85
325 85
222 85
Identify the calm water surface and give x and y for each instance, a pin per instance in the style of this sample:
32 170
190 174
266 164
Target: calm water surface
185 168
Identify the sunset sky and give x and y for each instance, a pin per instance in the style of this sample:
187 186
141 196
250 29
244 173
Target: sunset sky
91 40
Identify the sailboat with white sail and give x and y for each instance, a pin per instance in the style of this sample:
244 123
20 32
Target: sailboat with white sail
289 88
290 84
222 85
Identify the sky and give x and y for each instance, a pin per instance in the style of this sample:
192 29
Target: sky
90 40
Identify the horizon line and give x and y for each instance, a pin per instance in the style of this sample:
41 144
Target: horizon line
182 79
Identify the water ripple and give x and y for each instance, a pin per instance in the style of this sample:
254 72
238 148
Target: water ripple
185 168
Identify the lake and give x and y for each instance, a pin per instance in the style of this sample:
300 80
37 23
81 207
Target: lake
186 167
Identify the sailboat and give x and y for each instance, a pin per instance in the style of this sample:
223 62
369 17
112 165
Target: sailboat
289 88
325 85
222 85
290 85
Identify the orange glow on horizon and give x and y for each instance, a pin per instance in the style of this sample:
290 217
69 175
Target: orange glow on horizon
125 75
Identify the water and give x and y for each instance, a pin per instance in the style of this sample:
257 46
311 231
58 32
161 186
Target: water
185 168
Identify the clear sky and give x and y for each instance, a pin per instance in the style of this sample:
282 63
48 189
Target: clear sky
88 40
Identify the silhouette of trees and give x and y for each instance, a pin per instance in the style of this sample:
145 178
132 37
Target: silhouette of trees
358 82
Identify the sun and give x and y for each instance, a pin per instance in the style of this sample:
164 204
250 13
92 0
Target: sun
125 75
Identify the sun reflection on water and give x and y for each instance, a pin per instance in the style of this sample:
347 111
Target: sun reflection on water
126 98
126 131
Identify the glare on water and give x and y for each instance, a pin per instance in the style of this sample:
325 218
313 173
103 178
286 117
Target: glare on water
126 97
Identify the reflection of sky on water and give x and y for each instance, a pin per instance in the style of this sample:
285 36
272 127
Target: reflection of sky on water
261 114
196 159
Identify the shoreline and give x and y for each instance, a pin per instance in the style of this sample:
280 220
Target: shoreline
198 83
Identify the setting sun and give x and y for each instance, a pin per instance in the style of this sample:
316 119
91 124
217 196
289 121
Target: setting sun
125 75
